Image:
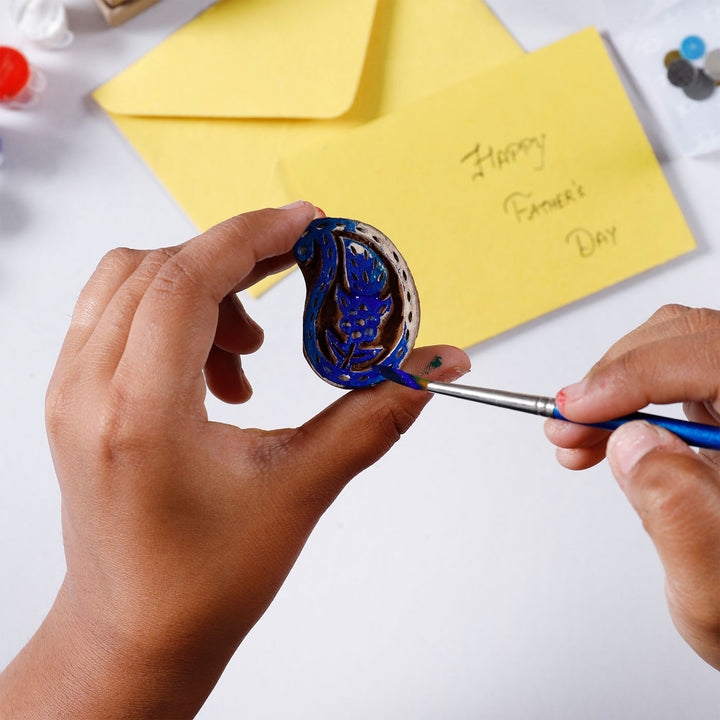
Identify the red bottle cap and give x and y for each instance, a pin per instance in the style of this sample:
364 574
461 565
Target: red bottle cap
14 73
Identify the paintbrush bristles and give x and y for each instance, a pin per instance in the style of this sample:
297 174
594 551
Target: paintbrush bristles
402 378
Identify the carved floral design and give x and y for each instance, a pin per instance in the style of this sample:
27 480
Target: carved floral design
361 307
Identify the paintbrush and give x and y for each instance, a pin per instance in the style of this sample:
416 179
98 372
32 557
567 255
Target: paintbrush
696 434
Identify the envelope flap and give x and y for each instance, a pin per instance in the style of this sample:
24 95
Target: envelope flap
251 59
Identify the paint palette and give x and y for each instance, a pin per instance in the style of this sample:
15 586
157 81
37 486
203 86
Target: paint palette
672 50
693 69
361 307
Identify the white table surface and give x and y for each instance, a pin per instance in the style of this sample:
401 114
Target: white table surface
466 575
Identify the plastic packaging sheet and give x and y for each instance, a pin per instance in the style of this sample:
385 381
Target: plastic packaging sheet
671 49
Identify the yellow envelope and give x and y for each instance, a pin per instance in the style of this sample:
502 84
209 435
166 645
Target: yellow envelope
251 58
213 108
510 194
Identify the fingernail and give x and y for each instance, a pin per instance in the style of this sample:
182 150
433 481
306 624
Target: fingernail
254 344
253 325
292 205
631 443
570 394
451 374
321 211
245 317
244 380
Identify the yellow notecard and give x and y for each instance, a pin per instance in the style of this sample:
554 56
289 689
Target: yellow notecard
510 194
213 108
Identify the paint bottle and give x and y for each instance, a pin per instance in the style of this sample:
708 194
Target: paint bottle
42 21
20 83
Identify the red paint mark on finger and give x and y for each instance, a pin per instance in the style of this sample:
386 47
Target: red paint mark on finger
560 400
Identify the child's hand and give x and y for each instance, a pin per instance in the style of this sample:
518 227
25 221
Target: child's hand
673 357
179 531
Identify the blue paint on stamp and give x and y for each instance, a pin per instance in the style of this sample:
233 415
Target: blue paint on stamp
361 307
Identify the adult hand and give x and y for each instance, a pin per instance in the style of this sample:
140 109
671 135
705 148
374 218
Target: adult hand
673 357
178 531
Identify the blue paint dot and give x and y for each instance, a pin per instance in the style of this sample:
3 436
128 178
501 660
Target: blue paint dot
692 47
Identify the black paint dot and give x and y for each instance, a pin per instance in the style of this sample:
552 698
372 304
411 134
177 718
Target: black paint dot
701 88
681 73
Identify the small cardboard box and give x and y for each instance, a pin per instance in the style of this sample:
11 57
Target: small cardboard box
117 12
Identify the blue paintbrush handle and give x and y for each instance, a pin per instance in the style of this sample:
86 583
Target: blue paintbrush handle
697 434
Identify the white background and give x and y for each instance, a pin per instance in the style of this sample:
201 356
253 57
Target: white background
466 575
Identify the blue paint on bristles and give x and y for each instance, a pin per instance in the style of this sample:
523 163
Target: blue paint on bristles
401 377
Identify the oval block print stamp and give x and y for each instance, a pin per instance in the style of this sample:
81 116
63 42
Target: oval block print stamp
361 307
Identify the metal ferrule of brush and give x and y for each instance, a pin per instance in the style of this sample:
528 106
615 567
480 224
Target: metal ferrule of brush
533 404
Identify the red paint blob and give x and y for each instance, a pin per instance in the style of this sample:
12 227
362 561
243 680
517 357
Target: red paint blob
14 73
560 400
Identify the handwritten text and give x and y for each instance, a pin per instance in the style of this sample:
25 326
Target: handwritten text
587 242
525 207
486 159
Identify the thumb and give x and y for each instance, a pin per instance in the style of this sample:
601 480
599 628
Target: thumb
676 493
359 428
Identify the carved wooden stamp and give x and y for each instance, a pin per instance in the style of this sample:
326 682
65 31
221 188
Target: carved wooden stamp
361 307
